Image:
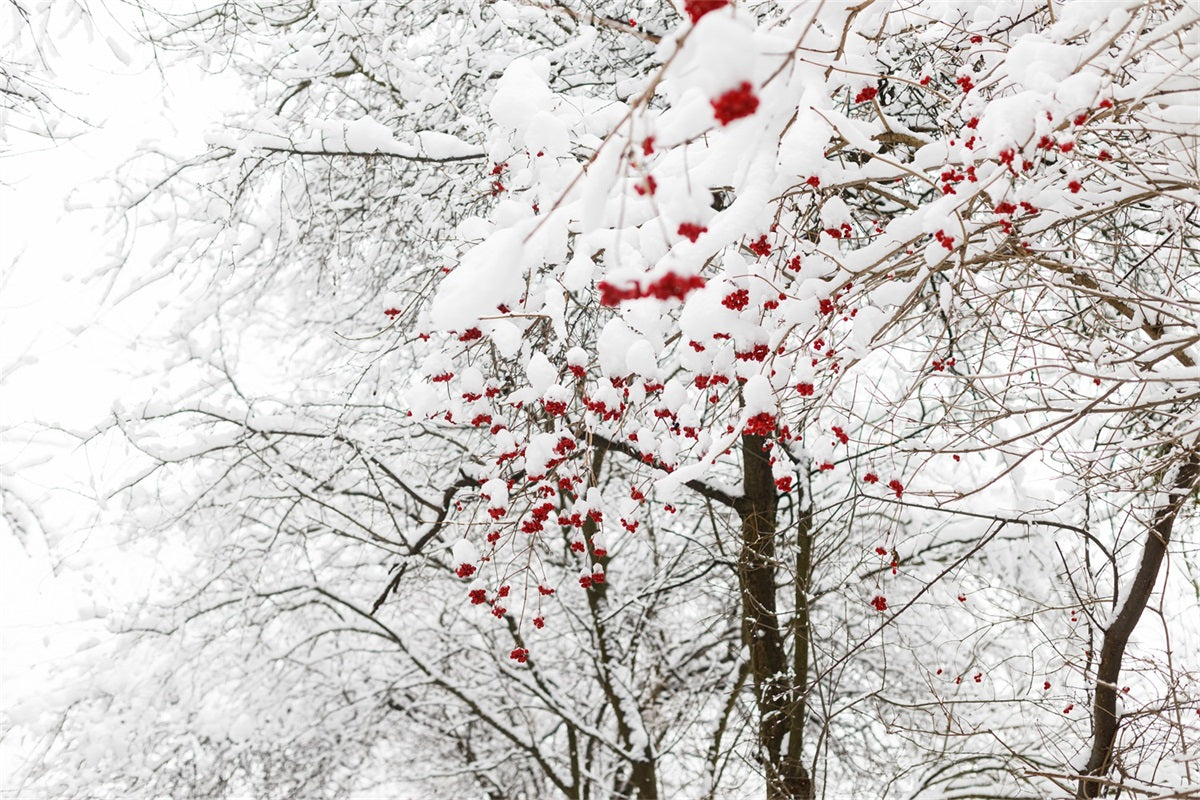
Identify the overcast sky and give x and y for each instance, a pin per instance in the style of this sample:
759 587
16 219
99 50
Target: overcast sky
66 353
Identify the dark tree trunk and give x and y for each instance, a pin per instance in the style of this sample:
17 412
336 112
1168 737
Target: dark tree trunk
1104 706
641 783
775 694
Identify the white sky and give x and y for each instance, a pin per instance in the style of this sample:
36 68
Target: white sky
64 353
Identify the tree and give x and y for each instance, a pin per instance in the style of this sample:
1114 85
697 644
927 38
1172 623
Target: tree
821 377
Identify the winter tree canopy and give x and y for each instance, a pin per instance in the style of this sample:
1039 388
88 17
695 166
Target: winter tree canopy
700 399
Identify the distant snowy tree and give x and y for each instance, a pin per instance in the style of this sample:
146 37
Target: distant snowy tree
30 91
721 400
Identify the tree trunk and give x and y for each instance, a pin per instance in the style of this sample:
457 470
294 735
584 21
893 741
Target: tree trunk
801 632
642 781
774 692
1104 707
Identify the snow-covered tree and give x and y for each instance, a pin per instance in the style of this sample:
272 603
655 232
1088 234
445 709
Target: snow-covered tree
719 400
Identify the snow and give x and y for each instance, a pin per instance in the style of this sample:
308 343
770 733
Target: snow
435 144
758 396
541 373
365 135
613 345
521 94
482 280
464 552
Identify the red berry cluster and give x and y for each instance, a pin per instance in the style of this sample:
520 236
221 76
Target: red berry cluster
760 425
757 353
646 186
704 381
735 104
695 9
665 288
866 95
736 300
760 247
951 176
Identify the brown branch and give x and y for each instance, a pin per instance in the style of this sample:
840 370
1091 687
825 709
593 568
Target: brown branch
699 487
